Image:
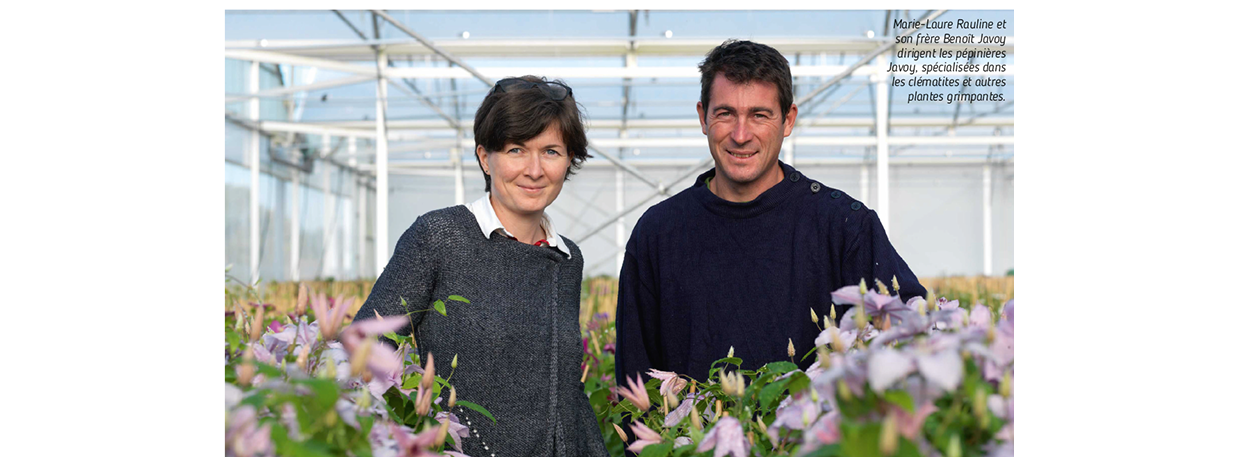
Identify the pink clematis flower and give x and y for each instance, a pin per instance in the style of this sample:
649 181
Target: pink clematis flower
382 359
949 315
683 410
887 366
727 438
827 337
645 437
824 431
980 317
796 413
909 425
329 318
455 429
635 392
671 383
244 438
409 445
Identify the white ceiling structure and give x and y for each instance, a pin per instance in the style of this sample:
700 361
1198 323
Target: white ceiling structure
408 102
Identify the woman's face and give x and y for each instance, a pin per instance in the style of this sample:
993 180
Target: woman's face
527 176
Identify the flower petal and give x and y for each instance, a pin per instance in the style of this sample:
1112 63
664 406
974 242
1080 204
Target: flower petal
944 369
886 366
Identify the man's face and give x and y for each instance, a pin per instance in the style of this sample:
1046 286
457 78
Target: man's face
745 129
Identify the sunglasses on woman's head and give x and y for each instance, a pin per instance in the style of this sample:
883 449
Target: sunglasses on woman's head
553 90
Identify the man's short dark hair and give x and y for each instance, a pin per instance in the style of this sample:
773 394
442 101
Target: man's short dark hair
744 61
519 115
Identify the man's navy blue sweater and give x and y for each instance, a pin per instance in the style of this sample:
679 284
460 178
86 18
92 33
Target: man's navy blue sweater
702 274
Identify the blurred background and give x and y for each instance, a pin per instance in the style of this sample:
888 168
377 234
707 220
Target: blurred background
328 159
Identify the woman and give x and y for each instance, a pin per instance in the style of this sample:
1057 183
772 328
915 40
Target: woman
517 341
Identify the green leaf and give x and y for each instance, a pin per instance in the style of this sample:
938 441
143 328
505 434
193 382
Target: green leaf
808 353
391 336
829 450
458 298
325 393
735 361
269 370
657 450
439 307
907 448
599 398
684 451
770 392
900 398
233 339
781 367
476 408
797 382
860 441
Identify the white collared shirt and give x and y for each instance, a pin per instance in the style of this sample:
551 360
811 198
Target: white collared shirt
489 222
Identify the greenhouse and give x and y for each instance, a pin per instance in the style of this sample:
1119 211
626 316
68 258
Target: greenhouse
366 315
306 111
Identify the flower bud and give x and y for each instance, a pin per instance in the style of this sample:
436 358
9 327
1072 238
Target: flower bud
882 288
832 313
671 400
695 418
805 419
895 284
861 287
442 434
953 446
303 297
330 370
693 387
303 358
428 376
792 351
454 361
750 436
1005 385
979 407
731 351
762 425
357 362
889 437
813 394
452 397
256 326
836 341
843 391
363 401
623 437
423 403
813 316
725 382
246 371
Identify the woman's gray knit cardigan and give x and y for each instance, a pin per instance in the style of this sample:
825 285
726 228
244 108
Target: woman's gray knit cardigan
518 338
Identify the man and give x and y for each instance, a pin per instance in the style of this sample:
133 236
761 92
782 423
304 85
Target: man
738 260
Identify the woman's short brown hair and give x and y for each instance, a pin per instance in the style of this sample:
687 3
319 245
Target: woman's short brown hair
519 115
